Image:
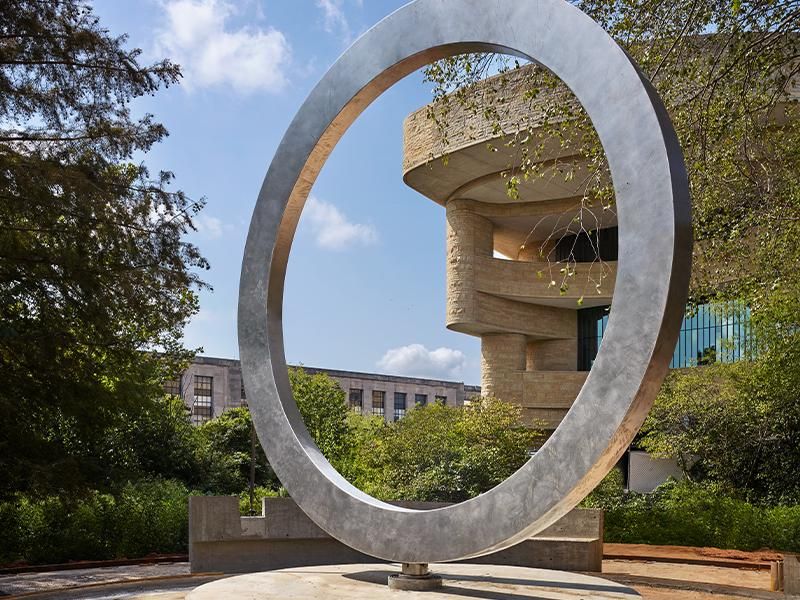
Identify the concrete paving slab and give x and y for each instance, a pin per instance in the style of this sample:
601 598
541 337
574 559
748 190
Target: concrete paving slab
369 582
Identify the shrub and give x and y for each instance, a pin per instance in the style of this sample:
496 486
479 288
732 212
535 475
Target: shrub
691 514
152 516
142 518
258 494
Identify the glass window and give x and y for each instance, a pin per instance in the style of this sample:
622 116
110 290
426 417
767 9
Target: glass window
592 323
243 396
173 386
378 402
710 333
356 400
420 399
441 399
202 405
399 405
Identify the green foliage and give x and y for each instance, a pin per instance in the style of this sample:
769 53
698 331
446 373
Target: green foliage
258 494
94 271
322 404
141 518
690 514
609 493
151 516
226 448
728 74
363 433
733 424
157 440
443 453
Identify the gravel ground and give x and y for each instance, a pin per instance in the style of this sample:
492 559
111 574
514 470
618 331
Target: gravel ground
55 580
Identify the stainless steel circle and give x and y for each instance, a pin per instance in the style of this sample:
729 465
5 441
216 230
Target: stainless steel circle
652 279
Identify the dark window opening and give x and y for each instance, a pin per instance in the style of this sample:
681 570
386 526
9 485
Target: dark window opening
356 400
399 405
584 247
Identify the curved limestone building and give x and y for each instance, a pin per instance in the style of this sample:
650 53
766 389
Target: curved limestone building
528 323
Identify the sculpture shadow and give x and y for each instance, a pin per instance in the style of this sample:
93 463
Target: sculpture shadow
379 577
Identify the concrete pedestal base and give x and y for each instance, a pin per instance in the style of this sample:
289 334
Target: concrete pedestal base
414 583
368 582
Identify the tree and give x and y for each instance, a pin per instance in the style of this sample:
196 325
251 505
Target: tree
225 442
444 453
729 424
157 441
322 404
94 271
728 73
226 454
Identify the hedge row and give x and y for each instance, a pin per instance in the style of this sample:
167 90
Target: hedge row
142 518
691 514
152 517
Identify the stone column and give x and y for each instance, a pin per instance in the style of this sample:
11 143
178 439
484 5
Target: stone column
503 357
553 355
468 236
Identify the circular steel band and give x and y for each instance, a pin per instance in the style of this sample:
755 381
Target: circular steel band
651 287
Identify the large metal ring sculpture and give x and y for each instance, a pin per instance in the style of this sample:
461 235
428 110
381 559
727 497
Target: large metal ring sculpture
652 280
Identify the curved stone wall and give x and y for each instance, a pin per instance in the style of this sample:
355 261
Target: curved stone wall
526 322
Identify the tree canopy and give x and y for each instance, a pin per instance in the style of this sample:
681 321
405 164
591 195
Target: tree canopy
95 273
734 424
728 73
444 453
322 403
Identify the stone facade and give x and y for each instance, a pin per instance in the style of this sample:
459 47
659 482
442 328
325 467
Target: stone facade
224 378
503 278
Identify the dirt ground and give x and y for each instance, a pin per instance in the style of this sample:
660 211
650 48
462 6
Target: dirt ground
667 594
744 578
688 553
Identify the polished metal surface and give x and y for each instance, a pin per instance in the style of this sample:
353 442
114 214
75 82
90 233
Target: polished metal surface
653 273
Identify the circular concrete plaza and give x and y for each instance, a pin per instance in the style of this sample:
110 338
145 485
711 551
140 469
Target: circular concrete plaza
652 580
369 582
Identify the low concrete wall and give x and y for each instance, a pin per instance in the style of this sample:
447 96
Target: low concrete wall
283 537
791 575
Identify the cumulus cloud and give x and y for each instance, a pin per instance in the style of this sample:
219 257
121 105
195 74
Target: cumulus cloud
331 228
415 360
197 37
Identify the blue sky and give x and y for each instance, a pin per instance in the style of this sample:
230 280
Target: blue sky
365 287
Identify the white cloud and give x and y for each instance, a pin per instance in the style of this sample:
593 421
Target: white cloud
335 19
208 226
246 59
331 228
415 360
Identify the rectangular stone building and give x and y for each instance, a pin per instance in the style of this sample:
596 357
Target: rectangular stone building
210 386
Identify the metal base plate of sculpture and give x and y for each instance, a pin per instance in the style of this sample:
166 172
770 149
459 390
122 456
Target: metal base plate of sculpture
652 198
